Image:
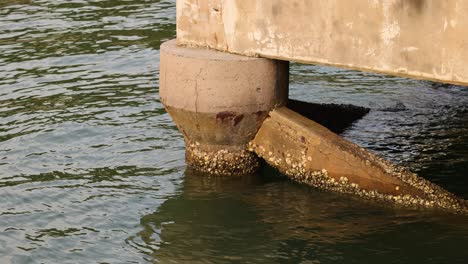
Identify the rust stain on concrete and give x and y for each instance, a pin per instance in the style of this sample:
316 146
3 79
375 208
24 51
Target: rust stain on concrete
230 117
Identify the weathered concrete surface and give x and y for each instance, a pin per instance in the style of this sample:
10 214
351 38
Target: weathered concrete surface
424 39
218 101
310 153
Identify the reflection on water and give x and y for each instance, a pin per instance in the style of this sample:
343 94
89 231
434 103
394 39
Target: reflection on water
269 220
92 168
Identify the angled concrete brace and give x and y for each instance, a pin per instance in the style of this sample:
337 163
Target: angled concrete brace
309 153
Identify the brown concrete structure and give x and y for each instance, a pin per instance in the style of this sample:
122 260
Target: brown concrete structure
218 101
424 39
310 153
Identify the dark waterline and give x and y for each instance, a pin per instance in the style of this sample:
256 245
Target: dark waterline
92 168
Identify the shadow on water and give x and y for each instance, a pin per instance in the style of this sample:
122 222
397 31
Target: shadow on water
336 117
266 219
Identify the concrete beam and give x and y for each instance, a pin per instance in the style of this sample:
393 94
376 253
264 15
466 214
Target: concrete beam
423 39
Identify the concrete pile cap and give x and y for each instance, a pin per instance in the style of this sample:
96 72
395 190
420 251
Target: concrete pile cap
218 101
209 81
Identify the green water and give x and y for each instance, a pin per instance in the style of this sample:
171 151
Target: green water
92 168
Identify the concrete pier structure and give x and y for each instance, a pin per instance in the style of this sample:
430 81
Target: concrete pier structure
218 101
224 81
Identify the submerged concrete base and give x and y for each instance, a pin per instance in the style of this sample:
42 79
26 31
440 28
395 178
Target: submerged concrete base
222 160
310 153
218 101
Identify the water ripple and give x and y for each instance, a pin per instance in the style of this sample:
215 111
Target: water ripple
92 168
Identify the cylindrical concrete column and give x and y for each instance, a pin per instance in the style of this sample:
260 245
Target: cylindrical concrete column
218 101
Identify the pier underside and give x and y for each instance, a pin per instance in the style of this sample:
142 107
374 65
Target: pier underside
424 39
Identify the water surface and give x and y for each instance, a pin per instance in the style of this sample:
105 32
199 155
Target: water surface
92 168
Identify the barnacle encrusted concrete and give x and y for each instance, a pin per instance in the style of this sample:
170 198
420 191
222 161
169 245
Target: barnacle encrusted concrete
218 101
222 160
309 153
